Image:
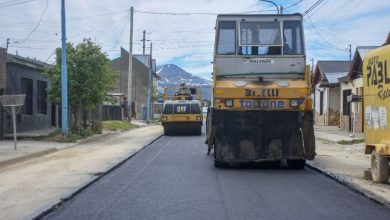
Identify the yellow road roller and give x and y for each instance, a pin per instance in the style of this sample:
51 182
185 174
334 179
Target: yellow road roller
261 106
182 111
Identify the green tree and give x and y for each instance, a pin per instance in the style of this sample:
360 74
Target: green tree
90 77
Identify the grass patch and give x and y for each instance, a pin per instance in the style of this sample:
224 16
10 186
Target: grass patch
117 125
354 141
153 122
72 136
56 136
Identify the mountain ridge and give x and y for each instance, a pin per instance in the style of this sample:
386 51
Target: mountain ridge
171 75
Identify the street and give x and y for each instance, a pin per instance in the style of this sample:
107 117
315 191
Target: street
174 179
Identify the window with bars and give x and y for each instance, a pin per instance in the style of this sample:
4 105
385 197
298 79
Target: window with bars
42 97
27 88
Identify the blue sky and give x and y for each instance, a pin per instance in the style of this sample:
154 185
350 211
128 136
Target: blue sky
184 39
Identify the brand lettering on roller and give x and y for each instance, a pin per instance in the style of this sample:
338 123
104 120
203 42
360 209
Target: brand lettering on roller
262 104
262 93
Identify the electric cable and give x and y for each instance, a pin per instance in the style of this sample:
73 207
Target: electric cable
36 27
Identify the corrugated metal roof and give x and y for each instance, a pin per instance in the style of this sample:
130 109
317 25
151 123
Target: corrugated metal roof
362 50
333 78
333 66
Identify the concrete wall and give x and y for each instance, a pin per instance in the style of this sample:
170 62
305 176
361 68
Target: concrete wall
2 68
356 87
36 121
331 106
2 87
334 106
321 119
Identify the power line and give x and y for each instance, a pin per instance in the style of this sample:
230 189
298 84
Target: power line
36 27
3 5
296 3
312 7
90 18
195 13
174 13
314 12
8 2
318 33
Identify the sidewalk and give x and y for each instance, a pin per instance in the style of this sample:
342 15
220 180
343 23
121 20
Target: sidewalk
33 186
334 134
27 149
346 163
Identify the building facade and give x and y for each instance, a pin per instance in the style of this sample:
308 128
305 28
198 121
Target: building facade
351 113
140 81
19 75
327 91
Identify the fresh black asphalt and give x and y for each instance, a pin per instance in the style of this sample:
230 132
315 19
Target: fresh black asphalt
173 178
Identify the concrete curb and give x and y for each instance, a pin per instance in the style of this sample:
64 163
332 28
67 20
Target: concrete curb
335 141
54 149
325 139
26 157
353 186
52 208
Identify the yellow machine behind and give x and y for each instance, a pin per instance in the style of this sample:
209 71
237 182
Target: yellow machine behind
261 107
376 100
182 111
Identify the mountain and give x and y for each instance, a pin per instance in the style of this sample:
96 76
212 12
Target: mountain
171 75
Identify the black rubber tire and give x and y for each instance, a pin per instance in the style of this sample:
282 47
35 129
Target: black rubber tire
298 164
379 168
219 164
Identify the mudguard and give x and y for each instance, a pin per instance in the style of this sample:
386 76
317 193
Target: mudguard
308 135
256 135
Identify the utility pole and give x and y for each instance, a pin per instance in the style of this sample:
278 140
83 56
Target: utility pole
143 42
150 79
312 66
350 52
6 47
130 77
64 74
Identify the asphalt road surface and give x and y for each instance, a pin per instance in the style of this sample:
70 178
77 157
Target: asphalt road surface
174 179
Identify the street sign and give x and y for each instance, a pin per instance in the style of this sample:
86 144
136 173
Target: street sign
354 98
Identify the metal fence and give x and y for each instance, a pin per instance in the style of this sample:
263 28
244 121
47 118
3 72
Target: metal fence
111 112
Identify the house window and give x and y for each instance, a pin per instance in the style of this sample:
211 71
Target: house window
42 97
346 104
27 88
321 103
